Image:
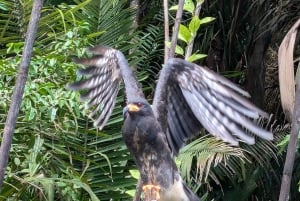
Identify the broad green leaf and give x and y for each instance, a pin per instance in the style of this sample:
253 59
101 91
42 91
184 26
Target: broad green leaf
31 114
195 57
207 20
184 33
17 161
135 174
130 192
189 6
52 113
174 7
178 49
194 25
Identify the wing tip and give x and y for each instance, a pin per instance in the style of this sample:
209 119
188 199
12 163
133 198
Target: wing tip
98 125
264 114
250 141
268 136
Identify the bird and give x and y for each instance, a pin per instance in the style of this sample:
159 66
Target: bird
187 98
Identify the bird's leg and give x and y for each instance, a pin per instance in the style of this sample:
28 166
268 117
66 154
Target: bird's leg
151 192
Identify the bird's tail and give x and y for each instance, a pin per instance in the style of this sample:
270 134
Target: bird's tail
191 195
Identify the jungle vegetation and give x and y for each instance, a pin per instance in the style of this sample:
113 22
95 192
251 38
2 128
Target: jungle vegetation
56 152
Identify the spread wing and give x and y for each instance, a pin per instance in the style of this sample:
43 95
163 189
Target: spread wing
189 97
105 70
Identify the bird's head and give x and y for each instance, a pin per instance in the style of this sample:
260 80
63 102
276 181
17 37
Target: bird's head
138 107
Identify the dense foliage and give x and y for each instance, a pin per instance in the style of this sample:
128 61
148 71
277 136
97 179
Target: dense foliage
56 152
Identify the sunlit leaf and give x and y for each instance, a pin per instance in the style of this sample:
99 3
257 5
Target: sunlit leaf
188 6
135 173
195 57
184 33
130 192
17 161
178 49
206 20
194 25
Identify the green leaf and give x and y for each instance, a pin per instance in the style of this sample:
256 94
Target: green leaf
188 6
284 141
17 161
130 192
135 174
184 33
195 57
174 7
178 49
207 20
194 25
31 114
53 113
3 6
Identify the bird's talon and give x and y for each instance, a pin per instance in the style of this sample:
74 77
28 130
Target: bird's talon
151 192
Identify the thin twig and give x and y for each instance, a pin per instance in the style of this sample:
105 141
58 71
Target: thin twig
167 31
19 88
189 48
176 28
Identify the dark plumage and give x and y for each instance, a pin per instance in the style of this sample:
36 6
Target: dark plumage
187 98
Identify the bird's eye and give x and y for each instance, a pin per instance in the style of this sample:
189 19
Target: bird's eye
139 104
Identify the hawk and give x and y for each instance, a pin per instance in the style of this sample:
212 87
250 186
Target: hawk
187 98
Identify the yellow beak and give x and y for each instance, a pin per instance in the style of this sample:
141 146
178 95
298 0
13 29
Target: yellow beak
133 108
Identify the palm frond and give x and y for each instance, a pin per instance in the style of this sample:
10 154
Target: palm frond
207 153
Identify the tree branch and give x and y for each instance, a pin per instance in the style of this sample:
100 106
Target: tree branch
189 48
19 88
176 28
167 31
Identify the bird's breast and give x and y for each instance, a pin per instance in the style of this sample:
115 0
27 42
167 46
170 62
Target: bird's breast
146 143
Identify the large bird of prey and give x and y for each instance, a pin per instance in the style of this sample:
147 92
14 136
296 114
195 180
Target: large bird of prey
188 97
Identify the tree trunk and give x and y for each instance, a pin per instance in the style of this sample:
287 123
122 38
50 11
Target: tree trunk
256 53
19 88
